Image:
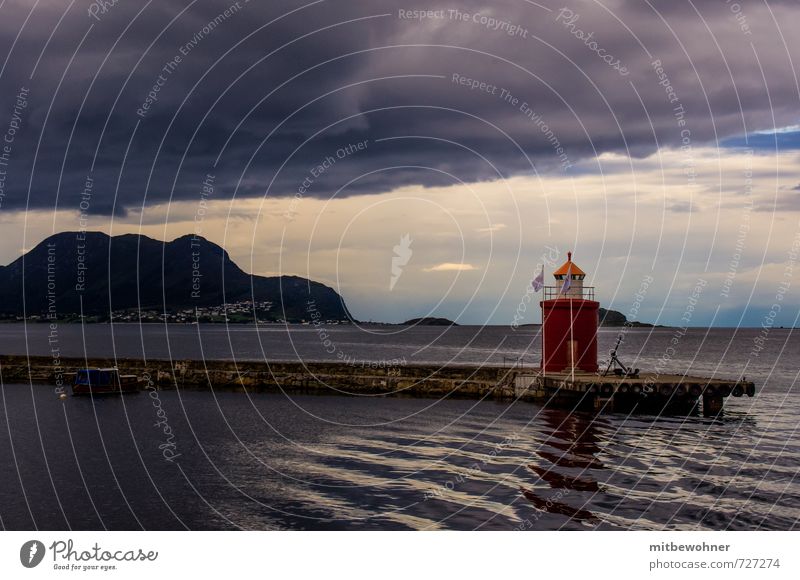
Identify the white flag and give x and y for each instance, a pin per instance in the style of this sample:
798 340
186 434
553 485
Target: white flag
568 280
538 282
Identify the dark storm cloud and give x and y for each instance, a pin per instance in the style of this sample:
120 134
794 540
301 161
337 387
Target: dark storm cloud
266 93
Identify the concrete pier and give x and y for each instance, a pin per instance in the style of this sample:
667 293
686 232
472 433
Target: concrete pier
647 393
650 393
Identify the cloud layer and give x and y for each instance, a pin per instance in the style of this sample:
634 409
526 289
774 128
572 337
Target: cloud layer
147 101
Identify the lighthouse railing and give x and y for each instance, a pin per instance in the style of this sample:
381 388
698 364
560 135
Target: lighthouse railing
554 292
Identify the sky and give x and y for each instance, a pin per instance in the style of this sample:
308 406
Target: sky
424 158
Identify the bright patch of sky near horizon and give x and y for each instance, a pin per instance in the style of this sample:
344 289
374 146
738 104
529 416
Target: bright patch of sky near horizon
474 248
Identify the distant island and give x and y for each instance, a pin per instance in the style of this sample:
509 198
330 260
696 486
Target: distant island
614 318
429 321
94 277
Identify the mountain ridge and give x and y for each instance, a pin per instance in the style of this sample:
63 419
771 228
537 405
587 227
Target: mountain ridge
92 273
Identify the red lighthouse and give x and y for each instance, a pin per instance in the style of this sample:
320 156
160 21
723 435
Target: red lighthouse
569 323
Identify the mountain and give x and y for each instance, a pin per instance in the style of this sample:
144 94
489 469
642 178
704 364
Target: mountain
132 271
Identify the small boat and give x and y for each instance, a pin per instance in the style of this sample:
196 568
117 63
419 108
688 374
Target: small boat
97 381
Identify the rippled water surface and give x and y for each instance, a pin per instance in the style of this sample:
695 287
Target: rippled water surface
267 461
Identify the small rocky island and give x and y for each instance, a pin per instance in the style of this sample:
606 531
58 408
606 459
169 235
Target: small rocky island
614 318
429 321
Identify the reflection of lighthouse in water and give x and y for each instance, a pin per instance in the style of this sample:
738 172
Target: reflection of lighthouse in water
569 322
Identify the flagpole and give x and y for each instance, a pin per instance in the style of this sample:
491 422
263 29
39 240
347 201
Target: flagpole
571 323
571 345
541 312
538 284
544 357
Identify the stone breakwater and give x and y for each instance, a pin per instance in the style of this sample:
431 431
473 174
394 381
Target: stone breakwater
648 393
291 377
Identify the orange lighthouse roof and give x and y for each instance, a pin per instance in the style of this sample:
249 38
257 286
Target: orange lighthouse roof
565 267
